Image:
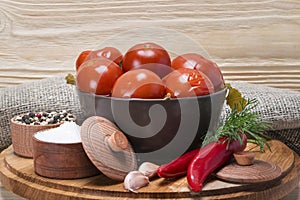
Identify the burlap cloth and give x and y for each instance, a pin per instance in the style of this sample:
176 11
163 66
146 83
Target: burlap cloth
278 106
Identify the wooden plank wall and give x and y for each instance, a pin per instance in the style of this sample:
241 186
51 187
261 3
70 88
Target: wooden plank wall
255 41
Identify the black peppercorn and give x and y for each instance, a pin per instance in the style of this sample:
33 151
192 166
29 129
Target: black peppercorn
43 118
56 117
31 114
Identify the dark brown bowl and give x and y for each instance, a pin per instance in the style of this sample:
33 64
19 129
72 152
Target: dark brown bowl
61 161
159 129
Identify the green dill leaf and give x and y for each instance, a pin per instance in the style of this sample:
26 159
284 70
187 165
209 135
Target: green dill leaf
242 120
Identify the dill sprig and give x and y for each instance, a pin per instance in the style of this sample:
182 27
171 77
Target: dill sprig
245 121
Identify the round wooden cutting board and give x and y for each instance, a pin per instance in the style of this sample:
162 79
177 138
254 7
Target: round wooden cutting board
17 175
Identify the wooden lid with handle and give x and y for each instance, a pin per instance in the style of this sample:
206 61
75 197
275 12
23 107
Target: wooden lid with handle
107 147
259 171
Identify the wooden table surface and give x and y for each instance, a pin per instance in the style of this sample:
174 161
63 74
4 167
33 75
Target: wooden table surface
254 41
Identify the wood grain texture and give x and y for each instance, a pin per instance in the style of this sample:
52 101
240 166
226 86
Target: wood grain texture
95 135
255 41
259 171
17 175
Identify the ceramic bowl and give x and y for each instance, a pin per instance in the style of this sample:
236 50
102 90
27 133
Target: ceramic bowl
159 130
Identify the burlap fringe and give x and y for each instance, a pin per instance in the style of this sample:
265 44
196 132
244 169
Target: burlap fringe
278 106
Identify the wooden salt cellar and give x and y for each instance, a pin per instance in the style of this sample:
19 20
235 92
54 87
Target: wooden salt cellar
61 160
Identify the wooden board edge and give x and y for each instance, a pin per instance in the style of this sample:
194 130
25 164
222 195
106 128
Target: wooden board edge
34 191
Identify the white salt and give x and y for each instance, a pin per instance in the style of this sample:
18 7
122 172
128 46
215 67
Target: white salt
68 132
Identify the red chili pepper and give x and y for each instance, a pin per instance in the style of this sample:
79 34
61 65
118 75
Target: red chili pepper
209 159
179 166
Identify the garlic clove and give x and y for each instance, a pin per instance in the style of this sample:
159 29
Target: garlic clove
135 180
148 169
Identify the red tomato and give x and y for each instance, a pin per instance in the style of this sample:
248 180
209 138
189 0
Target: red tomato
81 58
139 83
98 76
196 61
186 82
110 53
146 55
